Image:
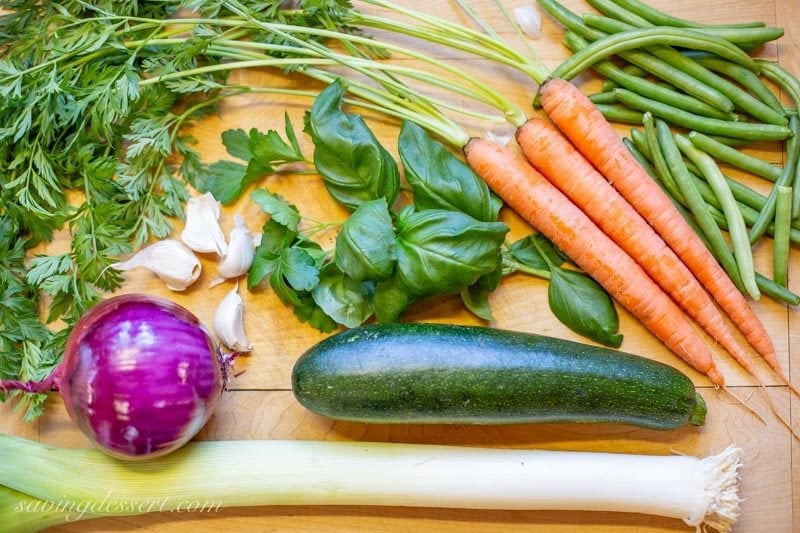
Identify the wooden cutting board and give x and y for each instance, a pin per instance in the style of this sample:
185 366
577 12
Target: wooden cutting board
260 404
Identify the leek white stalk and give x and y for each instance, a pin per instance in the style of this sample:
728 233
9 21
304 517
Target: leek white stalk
252 473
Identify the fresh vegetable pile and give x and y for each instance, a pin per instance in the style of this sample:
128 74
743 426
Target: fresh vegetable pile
96 98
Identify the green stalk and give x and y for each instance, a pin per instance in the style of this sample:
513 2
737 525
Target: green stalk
786 178
780 249
663 140
735 157
736 226
204 476
644 37
659 18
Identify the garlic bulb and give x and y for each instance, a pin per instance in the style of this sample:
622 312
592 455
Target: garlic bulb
229 322
529 20
202 232
241 251
170 260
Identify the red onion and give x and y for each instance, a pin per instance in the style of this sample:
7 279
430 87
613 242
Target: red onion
140 376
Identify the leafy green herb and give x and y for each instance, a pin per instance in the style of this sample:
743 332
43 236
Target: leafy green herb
583 306
356 168
441 252
262 152
348 301
440 180
576 299
365 246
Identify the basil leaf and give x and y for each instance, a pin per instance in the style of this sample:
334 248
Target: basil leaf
352 163
391 299
441 252
526 252
365 246
582 305
347 301
476 296
442 181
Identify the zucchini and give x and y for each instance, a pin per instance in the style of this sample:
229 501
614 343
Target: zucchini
448 374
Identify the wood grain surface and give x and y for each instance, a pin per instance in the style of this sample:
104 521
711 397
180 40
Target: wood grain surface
260 404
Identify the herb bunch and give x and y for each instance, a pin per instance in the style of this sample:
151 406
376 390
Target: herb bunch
443 238
94 98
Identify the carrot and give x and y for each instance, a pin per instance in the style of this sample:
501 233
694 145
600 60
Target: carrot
550 212
593 136
566 168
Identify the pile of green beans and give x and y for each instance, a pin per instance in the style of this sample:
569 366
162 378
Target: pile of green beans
698 98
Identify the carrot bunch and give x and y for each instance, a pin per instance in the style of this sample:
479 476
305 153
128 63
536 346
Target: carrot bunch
578 184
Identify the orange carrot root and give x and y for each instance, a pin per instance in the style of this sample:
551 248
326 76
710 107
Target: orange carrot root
564 166
593 136
549 211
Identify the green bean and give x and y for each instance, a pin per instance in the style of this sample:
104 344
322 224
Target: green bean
736 94
785 79
767 213
742 37
644 37
630 70
642 59
659 18
660 164
765 285
645 87
742 251
777 291
780 247
643 160
749 201
620 114
740 130
796 191
660 138
743 76
618 12
737 158
605 97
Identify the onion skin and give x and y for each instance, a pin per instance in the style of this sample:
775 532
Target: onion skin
140 376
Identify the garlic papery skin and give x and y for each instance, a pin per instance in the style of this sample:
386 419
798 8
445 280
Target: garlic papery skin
229 322
172 261
501 134
529 20
202 232
241 251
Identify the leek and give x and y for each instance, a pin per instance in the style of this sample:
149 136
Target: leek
75 484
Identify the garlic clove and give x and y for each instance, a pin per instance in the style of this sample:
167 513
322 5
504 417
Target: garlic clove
170 260
241 251
529 20
501 134
202 232
229 322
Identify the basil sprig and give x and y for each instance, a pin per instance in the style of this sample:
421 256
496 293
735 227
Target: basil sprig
390 253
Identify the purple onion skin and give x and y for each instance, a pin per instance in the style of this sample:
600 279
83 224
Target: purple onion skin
140 376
